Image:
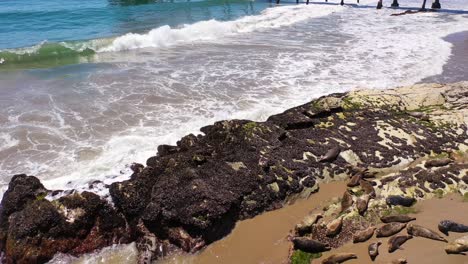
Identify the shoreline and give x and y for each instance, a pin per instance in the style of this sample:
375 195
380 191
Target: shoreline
456 68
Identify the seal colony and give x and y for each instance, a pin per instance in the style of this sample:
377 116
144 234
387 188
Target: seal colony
192 194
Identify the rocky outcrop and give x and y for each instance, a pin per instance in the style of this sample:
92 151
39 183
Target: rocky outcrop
34 229
193 193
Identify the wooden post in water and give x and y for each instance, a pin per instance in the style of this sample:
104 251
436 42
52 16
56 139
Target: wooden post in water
436 4
395 3
307 2
379 4
424 5
342 2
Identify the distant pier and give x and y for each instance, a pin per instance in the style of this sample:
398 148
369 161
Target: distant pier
395 4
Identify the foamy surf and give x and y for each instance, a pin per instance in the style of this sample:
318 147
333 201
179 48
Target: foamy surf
214 30
162 37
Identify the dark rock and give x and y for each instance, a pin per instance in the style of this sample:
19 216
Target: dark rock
36 229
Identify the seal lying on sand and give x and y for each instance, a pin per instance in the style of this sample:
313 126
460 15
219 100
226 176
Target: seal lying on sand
373 250
395 242
331 155
309 245
397 218
420 231
400 200
458 246
339 258
389 229
364 235
399 261
447 225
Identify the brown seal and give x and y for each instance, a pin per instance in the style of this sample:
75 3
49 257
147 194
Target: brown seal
367 187
354 181
331 155
373 249
397 218
334 227
437 162
459 246
364 235
362 203
305 226
420 231
389 229
399 261
339 258
395 242
346 201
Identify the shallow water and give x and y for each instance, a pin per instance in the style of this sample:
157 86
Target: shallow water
86 121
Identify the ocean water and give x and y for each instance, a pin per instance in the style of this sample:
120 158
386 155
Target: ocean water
88 87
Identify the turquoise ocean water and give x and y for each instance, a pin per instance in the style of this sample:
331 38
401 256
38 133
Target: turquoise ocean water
37 33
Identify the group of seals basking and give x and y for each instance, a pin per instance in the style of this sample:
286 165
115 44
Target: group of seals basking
391 226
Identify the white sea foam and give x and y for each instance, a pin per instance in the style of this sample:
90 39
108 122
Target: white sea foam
212 29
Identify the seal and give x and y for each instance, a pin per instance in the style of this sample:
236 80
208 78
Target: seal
362 203
420 231
399 261
367 187
331 155
437 162
447 225
346 201
354 181
395 242
389 229
373 249
339 258
309 245
397 218
305 226
334 227
400 200
420 115
459 246
364 235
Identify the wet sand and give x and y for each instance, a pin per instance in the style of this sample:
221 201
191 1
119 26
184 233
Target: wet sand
418 250
263 239
456 69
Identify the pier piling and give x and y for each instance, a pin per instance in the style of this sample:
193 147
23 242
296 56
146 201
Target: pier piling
379 4
436 4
